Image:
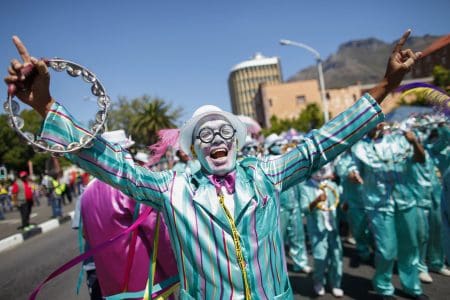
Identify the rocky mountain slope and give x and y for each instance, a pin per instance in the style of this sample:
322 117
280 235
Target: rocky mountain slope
359 60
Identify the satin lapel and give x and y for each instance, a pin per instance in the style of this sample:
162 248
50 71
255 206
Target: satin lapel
206 197
243 194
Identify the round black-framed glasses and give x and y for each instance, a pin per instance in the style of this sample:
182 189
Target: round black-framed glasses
207 135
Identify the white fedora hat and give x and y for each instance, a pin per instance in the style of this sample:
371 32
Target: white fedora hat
142 157
187 130
272 139
118 137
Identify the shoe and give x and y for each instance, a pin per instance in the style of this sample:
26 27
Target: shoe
351 240
425 277
444 271
421 297
305 269
338 293
319 289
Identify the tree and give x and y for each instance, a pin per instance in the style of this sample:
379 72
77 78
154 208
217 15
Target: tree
309 118
142 118
441 77
14 151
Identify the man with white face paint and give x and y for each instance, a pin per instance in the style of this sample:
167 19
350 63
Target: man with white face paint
212 134
224 219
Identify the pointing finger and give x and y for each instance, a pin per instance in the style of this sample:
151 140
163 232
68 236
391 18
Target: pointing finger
402 41
23 52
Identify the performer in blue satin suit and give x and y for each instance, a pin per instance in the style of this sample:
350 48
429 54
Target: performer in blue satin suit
427 190
353 203
382 162
445 210
223 220
291 219
320 202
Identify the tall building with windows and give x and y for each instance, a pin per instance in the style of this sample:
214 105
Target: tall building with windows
245 78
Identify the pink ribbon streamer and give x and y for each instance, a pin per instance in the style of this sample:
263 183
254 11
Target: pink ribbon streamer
80 258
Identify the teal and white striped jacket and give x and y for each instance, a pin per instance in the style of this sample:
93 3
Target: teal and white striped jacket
200 232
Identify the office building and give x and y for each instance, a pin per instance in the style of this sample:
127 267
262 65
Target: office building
244 81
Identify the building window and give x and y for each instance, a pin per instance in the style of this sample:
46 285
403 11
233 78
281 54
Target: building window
270 102
300 99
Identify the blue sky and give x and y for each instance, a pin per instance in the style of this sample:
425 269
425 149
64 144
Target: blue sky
182 51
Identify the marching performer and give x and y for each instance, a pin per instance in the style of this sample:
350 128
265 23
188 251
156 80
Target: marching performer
353 203
381 162
291 219
320 201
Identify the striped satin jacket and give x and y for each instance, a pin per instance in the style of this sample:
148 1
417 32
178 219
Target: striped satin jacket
200 230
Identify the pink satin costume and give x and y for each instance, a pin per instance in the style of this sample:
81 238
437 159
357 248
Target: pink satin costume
106 212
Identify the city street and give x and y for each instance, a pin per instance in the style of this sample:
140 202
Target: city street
25 266
39 214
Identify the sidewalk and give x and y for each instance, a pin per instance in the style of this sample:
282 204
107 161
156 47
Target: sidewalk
41 216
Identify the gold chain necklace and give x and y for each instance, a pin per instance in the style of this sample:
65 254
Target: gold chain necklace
237 246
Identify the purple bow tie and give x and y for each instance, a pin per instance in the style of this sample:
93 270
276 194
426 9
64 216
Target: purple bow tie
227 181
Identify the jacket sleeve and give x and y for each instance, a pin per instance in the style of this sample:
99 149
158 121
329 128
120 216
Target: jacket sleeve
323 145
108 162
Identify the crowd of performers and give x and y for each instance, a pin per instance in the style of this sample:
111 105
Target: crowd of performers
223 217
388 187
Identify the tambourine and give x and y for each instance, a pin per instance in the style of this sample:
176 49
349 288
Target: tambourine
12 107
322 205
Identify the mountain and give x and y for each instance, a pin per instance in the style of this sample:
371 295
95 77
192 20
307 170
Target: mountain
359 60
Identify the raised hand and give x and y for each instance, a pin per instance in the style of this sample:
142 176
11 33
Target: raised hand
355 178
29 80
399 64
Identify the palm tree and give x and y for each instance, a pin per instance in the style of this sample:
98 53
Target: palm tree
150 118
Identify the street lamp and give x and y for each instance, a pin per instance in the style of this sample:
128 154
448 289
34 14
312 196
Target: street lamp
319 68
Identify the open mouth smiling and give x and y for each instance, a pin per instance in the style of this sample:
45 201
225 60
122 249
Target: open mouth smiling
219 153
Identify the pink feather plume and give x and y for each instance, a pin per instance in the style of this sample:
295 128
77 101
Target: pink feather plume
166 138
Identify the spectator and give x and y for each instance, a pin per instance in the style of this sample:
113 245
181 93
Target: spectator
5 199
22 195
54 190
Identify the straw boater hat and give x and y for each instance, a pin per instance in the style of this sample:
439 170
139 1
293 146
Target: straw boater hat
187 130
118 137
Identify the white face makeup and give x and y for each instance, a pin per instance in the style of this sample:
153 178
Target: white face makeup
219 156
